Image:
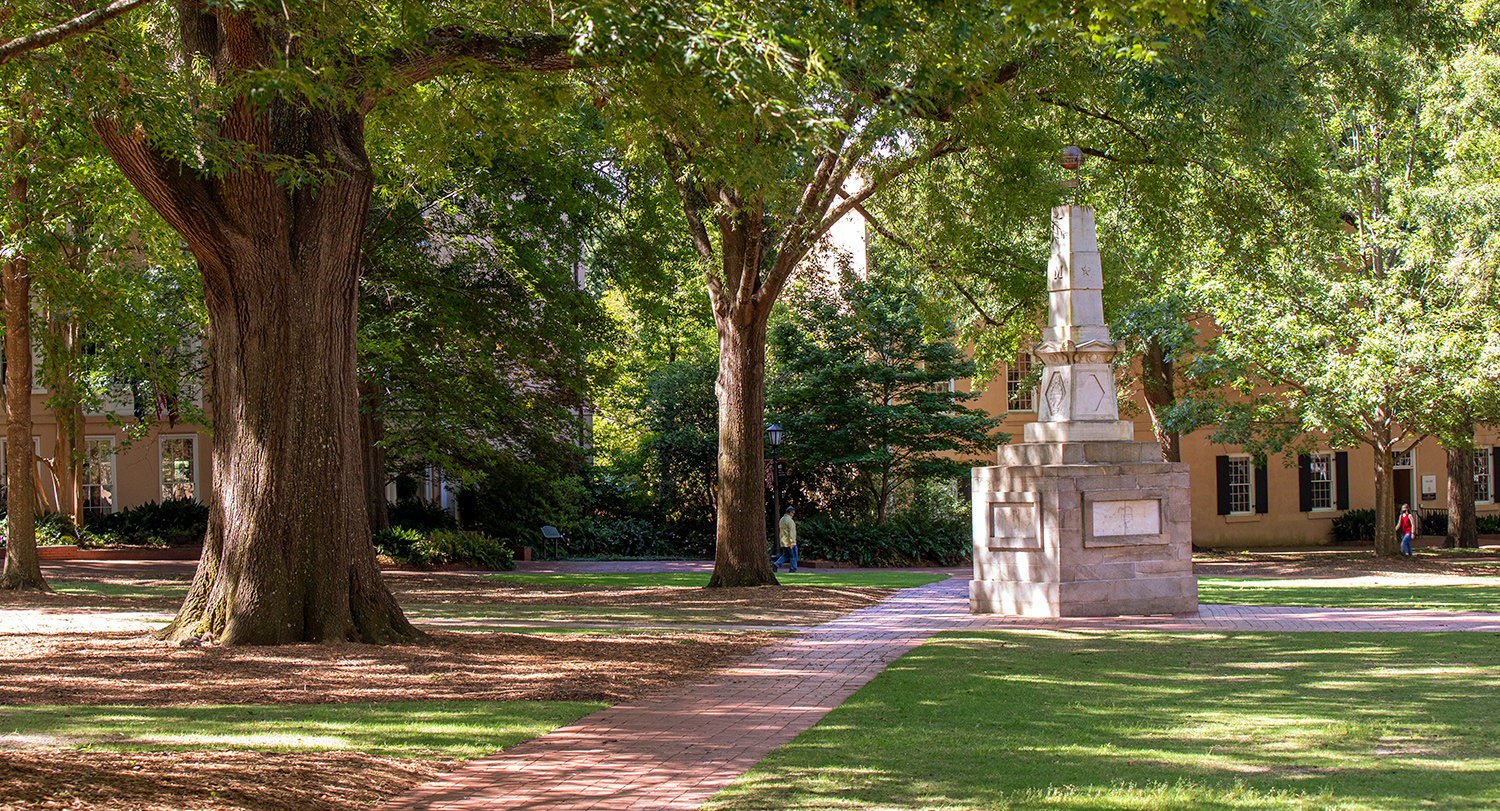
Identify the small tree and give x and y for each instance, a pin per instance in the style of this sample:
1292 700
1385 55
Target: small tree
862 385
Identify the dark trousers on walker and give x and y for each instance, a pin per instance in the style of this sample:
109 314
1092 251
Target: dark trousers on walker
788 553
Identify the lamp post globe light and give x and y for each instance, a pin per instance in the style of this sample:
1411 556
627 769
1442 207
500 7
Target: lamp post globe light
773 436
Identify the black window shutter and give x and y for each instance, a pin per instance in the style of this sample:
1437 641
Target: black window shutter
1494 465
1222 463
1262 503
1304 482
1341 478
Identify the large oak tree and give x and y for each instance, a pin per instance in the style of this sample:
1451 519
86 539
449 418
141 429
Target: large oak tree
243 124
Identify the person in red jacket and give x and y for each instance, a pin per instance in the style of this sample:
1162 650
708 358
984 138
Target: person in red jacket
1406 527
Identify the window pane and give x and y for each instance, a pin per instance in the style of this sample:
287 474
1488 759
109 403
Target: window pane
1322 481
1018 398
1239 484
1482 474
98 483
177 468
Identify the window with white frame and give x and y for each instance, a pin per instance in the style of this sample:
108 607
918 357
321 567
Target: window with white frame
179 468
1483 476
98 480
1017 393
1241 485
1320 468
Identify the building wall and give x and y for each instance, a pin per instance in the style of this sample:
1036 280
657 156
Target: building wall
137 466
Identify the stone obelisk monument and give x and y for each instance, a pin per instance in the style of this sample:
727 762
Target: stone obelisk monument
1080 520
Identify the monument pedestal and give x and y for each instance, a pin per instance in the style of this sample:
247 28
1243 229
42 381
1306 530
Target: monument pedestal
1080 520
1082 529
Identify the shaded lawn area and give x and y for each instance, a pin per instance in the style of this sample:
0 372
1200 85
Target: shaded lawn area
1224 591
308 757
644 608
444 730
884 579
493 600
1140 720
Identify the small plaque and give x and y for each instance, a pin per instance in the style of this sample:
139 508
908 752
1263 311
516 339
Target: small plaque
1136 517
1014 525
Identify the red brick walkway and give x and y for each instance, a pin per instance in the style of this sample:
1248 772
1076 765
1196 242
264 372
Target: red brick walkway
674 750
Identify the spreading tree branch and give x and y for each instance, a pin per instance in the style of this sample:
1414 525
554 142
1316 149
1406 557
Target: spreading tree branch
81 24
453 47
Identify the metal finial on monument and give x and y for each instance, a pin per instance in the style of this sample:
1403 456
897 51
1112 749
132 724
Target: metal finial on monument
1071 158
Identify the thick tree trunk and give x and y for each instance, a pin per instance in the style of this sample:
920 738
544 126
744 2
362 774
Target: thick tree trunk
371 431
1386 541
1463 529
23 569
740 559
288 556
1157 386
61 379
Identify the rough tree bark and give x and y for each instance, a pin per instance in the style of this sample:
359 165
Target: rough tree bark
60 376
1463 528
1387 544
23 569
372 430
1157 386
740 555
288 556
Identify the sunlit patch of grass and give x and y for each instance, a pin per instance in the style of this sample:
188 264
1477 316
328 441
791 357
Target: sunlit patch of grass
885 579
427 730
1227 591
134 591
1140 720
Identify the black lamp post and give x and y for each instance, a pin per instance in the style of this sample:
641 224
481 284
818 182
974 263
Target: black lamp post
773 436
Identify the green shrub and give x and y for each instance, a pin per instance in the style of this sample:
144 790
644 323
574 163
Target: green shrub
401 546
638 538
1354 526
446 546
902 541
174 522
420 515
53 529
1488 524
1434 522
442 547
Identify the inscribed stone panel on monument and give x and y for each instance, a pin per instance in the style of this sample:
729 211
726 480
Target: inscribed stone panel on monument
1135 517
1014 523
1124 517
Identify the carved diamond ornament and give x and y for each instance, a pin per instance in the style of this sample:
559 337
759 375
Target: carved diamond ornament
1057 391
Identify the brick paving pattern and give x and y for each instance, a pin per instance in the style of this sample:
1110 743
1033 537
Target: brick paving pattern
674 750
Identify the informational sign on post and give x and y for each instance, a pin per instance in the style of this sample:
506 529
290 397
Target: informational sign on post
1429 488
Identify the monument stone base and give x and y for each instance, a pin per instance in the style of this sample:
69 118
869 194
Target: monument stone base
1082 529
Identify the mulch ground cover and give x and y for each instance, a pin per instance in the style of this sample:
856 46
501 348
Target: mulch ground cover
137 669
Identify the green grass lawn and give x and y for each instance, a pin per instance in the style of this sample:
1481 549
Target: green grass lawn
419 730
1223 591
1140 720
134 591
885 579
